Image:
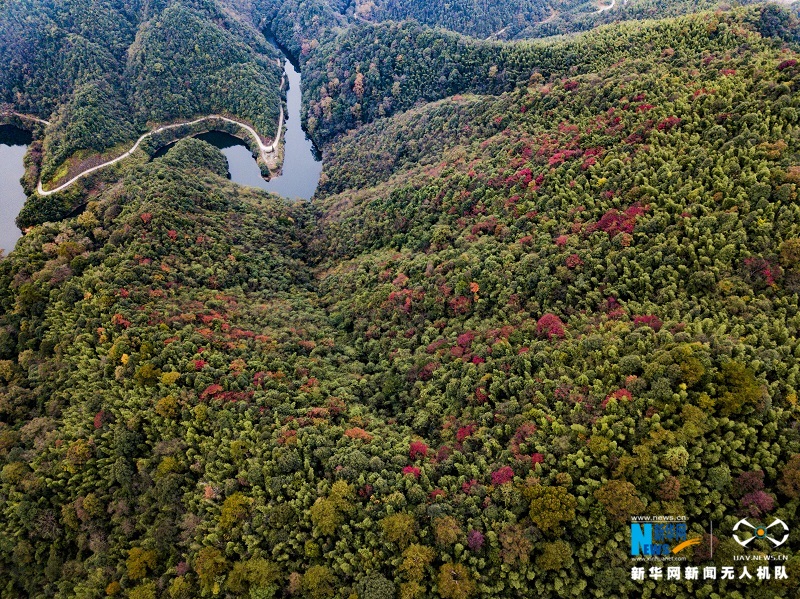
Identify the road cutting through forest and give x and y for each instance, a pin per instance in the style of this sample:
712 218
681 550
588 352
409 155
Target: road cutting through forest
264 149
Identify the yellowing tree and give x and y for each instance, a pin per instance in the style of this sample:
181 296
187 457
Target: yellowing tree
455 582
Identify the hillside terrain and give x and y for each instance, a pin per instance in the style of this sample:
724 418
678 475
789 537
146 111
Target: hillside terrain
100 71
544 286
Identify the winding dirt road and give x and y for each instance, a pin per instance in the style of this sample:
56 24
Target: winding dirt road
605 8
553 14
263 148
25 116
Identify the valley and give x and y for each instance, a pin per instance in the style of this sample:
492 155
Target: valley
539 289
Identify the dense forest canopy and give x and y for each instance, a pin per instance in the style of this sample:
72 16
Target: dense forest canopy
465 16
372 71
544 287
476 18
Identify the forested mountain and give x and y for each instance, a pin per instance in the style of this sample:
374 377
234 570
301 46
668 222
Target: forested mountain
472 17
372 71
100 71
65 60
183 65
299 25
548 287
569 17
477 18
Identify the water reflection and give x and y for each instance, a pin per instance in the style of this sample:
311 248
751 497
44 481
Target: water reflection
302 163
13 145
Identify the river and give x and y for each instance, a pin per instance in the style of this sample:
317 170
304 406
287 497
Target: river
13 145
302 164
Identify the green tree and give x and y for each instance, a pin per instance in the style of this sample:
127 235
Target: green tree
139 562
146 590
620 499
555 555
416 559
399 528
376 586
209 564
234 509
550 506
319 582
327 514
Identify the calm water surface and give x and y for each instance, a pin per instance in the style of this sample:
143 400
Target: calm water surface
13 145
302 164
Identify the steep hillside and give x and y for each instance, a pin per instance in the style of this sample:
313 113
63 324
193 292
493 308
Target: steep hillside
484 19
569 17
510 320
182 65
124 326
576 295
471 17
369 71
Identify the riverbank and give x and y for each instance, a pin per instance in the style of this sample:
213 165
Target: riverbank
14 143
264 149
290 165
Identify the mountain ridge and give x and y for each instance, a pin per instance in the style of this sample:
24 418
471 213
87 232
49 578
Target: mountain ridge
457 372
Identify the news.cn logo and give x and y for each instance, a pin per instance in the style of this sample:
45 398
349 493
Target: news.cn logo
656 539
660 537
760 532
